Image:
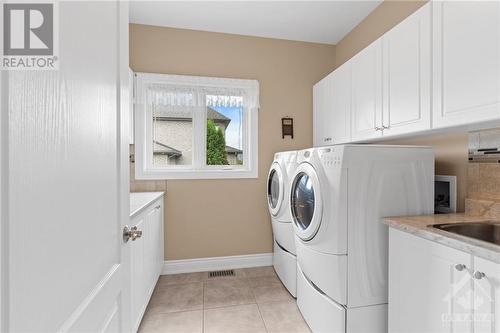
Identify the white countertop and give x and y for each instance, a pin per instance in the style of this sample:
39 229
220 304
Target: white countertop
140 200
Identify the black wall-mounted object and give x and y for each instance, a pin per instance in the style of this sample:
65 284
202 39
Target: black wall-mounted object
286 127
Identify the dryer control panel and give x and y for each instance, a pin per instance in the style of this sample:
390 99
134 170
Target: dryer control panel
330 156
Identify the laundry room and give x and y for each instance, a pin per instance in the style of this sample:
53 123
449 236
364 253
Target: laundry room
250 166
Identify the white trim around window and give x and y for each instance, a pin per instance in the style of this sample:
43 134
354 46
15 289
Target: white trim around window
190 91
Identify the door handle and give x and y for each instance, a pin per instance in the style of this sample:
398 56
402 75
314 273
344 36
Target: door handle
131 233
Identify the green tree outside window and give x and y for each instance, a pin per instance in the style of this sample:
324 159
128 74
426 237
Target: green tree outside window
216 145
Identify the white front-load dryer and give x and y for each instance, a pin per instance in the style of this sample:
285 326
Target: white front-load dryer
338 198
278 192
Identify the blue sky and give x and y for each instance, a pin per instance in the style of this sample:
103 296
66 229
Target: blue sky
233 132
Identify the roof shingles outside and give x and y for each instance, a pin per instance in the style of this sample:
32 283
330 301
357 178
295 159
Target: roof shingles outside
232 150
184 114
161 148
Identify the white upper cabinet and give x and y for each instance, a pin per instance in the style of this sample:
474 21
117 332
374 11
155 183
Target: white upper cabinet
438 68
366 121
320 112
339 121
332 108
407 75
466 57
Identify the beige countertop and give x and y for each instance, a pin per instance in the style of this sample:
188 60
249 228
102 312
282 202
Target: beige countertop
420 226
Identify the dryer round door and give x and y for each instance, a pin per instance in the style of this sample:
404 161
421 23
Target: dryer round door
305 201
275 189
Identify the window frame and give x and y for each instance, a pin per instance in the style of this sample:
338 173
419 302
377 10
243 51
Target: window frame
143 125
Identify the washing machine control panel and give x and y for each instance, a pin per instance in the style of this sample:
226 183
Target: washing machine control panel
330 157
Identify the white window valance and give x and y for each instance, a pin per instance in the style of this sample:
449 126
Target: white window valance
194 91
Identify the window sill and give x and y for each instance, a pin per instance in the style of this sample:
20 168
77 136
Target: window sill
195 174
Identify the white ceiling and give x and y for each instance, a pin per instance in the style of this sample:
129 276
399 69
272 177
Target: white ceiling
311 21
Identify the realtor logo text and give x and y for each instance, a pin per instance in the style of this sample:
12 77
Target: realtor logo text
29 36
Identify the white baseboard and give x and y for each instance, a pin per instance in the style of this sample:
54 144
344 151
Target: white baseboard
216 263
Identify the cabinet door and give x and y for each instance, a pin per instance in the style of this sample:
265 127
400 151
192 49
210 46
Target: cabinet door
367 93
139 292
157 240
486 296
321 109
407 75
426 290
466 58
339 116
151 249
160 239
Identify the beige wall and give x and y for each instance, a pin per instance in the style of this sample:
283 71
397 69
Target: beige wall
450 149
382 19
206 218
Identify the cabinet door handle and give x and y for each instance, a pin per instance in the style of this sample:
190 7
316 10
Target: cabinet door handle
460 267
378 128
158 207
385 127
477 275
327 139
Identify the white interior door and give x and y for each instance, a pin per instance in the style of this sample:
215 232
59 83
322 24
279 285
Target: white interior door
64 183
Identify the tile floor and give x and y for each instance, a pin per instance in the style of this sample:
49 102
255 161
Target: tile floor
253 301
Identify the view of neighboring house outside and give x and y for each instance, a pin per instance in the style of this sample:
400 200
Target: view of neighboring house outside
234 155
173 137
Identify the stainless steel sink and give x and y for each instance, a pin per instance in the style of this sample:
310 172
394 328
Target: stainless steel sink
485 231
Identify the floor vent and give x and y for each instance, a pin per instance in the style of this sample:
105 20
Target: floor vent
227 272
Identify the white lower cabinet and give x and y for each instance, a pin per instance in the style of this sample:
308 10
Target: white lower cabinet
486 296
147 258
435 288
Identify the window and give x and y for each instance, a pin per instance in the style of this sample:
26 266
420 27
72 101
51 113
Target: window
190 127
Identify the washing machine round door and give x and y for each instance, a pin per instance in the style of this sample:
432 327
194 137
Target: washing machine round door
275 189
305 202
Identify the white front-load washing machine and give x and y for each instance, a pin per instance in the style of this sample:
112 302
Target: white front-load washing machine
278 193
339 196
